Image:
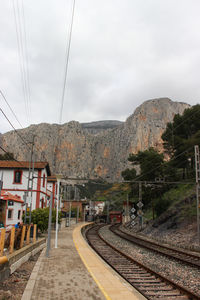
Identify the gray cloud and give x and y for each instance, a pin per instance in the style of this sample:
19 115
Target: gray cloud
122 53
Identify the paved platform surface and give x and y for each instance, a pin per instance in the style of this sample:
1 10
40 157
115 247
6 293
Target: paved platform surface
73 271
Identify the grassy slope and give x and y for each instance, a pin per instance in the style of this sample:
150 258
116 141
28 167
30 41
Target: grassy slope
182 204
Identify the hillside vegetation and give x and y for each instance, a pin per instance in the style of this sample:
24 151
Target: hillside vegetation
168 178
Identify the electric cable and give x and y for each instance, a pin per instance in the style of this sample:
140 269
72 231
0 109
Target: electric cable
3 96
24 141
189 117
20 163
174 128
173 158
21 50
26 56
22 35
190 171
67 62
20 58
159 166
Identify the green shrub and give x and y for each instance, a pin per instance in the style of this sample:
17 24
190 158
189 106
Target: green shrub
40 216
161 206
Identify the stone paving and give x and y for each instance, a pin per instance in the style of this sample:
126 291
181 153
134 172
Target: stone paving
63 275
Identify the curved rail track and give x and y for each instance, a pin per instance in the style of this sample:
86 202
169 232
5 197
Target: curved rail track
149 283
177 254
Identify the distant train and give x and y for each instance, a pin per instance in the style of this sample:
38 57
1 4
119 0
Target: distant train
114 217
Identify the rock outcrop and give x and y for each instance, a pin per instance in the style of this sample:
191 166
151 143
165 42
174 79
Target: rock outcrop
100 126
99 149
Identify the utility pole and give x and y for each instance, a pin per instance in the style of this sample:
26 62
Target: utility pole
84 214
90 211
65 192
108 206
77 199
70 209
27 199
197 168
57 208
1 183
127 208
49 227
140 205
69 201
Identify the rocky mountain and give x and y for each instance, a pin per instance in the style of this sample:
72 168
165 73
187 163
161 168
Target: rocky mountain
100 126
97 149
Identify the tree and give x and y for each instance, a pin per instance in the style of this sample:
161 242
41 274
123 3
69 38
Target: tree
151 165
180 137
129 174
150 162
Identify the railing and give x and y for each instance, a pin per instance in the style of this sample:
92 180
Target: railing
16 238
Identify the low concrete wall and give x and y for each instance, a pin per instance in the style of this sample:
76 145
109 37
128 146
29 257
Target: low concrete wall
4 271
16 259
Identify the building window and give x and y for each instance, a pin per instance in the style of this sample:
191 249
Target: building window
10 203
17 176
43 180
42 203
10 213
19 214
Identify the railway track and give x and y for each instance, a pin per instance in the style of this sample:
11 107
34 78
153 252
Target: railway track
149 283
177 254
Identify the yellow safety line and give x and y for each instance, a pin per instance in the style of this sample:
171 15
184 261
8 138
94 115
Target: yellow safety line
90 271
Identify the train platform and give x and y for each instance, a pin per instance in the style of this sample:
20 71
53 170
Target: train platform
74 271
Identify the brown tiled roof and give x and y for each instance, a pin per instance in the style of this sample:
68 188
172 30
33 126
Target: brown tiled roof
115 212
12 164
8 196
52 178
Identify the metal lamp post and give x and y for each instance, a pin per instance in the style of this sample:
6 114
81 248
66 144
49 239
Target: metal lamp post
57 208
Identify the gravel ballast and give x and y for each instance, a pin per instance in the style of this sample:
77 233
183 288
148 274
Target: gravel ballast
184 275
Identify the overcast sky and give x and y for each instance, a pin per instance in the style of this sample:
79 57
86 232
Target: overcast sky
123 52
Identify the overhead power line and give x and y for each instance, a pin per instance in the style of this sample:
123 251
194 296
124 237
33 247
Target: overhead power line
23 140
12 158
67 62
22 49
3 96
26 56
184 121
150 171
180 144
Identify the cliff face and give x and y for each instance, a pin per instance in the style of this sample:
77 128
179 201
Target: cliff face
100 126
96 150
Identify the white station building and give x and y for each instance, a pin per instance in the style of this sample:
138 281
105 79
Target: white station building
11 209
15 180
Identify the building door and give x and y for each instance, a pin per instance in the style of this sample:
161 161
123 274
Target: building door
2 212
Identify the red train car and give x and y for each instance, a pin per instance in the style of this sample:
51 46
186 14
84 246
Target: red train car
115 216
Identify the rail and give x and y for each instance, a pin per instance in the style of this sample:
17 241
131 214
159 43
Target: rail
148 282
173 253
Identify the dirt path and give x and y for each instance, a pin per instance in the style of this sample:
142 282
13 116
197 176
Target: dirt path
13 287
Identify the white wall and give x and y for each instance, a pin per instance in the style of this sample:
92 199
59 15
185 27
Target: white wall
20 188
43 189
50 188
17 206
